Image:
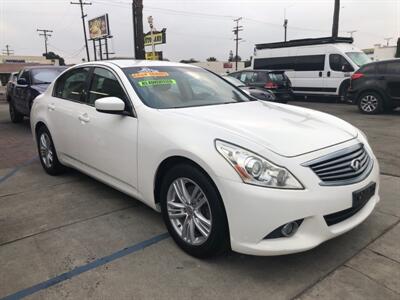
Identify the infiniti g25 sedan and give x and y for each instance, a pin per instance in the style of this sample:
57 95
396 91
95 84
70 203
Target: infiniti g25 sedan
226 171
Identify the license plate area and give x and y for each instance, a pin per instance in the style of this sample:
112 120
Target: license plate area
362 196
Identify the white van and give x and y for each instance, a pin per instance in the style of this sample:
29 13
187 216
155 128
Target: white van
321 66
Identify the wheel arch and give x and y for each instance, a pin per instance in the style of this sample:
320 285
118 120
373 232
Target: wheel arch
167 163
342 85
372 90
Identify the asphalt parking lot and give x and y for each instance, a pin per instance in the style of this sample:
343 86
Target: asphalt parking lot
75 238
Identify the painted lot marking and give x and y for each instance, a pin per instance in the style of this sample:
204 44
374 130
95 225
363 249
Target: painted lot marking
84 268
16 169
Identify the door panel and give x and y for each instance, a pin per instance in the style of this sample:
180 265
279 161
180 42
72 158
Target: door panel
336 75
109 141
65 107
393 79
310 74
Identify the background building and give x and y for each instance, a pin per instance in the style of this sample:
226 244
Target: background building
380 52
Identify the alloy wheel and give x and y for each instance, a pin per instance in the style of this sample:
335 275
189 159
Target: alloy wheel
369 103
189 211
46 152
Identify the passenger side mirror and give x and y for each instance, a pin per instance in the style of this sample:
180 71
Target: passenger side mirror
110 105
22 81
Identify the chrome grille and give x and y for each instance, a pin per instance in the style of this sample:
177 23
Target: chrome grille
342 167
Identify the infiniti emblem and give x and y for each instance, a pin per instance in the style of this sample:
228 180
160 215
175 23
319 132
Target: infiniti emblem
355 164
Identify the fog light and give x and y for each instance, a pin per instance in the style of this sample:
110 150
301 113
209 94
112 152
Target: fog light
289 229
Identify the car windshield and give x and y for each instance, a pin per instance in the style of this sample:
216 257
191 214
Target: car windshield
359 58
234 81
178 87
45 76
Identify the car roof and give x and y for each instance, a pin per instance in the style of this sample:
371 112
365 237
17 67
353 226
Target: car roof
383 61
127 63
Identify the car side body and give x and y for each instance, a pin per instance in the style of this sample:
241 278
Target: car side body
27 88
133 151
375 87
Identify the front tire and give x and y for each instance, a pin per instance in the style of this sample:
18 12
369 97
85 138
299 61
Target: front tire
370 103
193 211
15 116
47 152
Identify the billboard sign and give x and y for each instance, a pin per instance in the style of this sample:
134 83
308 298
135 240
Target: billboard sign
158 36
157 55
99 27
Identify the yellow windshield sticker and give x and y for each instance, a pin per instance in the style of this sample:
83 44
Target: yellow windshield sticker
149 74
145 83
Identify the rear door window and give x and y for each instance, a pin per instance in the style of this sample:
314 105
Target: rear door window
72 85
393 68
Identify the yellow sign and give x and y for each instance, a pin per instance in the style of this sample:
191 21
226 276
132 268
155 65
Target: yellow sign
158 37
157 55
150 74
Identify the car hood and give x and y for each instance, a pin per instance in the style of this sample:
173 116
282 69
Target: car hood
284 129
41 88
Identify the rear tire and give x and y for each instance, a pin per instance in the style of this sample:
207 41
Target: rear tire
15 116
196 220
47 152
370 103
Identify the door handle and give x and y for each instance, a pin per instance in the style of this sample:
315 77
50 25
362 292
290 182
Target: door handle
84 118
320 74
328 74
51 106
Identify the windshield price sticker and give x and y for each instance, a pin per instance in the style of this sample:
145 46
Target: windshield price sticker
145 83
150 74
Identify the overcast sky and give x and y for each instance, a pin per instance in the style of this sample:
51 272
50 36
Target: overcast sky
195 29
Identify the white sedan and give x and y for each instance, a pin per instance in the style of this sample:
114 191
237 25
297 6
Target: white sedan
226 171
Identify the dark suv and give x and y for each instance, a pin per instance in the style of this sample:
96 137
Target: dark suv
375 87
274 81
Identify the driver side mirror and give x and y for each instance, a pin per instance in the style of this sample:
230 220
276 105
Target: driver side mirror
110 105
22 81
347 68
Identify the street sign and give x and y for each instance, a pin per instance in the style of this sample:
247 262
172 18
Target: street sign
158 36
158 55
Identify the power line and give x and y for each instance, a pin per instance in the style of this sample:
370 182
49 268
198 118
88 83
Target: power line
8 51
236 30
46 35
81 4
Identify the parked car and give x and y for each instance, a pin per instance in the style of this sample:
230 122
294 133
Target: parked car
12 81
320 66
375 87
226 171
273 81
258 93
31 82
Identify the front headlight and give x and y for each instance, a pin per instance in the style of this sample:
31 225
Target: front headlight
254 169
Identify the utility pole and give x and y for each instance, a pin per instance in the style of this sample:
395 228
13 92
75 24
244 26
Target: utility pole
335 26
236 30
46 35
351 32
285 23
388 40
8 51
137 18
84 25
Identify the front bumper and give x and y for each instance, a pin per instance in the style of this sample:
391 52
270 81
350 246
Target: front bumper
253 212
